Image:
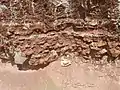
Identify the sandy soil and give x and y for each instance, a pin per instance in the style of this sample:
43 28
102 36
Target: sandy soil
77 76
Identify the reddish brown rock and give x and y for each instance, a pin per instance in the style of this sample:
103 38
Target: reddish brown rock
86 39
86 51
114 52
84 45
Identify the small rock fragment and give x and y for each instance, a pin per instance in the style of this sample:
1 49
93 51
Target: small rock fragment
101 43
103 51
104 59
85 51
19 58
86 39
114 52
93 22
93 46
53 56
65 61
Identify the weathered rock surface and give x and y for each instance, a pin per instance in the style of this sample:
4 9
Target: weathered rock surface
45 30
45 47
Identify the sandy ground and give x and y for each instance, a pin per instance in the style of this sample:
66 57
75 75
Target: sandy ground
77 76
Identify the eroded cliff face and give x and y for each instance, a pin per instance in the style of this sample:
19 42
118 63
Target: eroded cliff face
51 29
39 48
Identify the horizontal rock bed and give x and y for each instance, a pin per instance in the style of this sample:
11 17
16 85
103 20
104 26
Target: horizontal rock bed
36 46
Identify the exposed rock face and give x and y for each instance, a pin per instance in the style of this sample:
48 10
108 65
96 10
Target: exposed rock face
53 31
43 48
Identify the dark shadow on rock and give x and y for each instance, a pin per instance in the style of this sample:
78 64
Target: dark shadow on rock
8 60
26 66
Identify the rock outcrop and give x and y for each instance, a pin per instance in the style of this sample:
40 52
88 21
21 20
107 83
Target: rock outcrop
42 32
